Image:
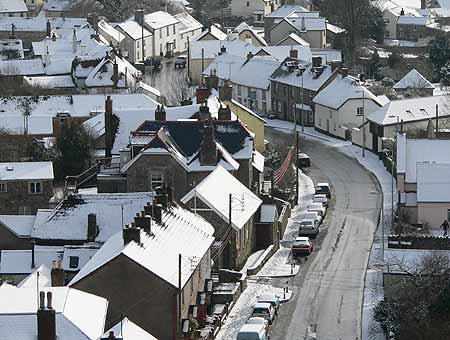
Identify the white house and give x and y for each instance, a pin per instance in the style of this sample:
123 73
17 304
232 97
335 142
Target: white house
132 43
189 29
253 8
343 105
423 183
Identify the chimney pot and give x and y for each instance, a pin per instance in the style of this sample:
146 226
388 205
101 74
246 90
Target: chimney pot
204 112
226 91
202 94
160 113
49 300
157 212
131 233
41 300
46 324
92 227
111 336
224 113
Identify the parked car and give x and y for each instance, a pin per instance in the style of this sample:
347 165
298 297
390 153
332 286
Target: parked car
252 332
323 188
181 61
272 299
154 62
272 116
303 160
308 227
264 310
318 207
312 215
257 320
321 198
302 247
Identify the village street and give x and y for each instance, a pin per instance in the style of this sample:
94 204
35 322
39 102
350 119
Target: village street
328 290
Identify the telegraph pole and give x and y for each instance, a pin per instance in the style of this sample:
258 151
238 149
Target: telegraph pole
296 168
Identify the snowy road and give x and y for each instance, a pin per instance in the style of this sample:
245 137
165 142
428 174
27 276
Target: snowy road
329 288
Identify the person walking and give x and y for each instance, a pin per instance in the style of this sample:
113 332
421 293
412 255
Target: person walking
445 227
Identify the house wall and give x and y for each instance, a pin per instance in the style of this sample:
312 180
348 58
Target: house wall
391 25
166 35
253 123
316 39
246 8
196 70
433 213
410 32
329 120
17 200
242 94
247 35
182 44
148 300
9 240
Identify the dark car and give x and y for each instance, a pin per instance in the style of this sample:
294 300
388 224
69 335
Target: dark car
153 62
272 116
323 188
181 61
303 160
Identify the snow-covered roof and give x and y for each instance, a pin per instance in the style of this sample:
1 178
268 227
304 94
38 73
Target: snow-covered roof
187 22
58 5
103 73
295 38
327 54
282 52
109 30
84 253
342 89
409 110
182 232
243 26
128 330
258 161
410 152
310 79
79 315
254 72
51 82
11 49
69 220
39 23
159 19
41 274
444 3
214 31
12 6
215 190
433 182
335 29
413 79
268 213
24 171
212 48
308 23
20 225
20 261
133 29
22 67
285 10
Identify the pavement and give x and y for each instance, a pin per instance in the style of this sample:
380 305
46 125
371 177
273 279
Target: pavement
328 291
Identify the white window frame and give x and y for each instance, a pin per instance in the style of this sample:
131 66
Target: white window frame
3 187
161 182
360 111
32 188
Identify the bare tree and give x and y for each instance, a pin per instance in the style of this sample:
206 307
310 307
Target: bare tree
178 89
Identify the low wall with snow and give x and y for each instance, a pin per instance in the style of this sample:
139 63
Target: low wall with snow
419 242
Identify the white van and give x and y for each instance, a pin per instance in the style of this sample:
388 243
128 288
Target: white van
252 332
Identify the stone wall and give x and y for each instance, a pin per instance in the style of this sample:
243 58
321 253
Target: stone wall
18 198
419 242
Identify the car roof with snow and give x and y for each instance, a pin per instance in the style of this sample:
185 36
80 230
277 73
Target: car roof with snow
268 297
302 239
262 305
323 184
309 220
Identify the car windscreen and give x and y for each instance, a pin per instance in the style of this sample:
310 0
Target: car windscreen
260 311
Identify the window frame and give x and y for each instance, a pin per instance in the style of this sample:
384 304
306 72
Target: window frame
360 111
3 186
32 188
74 262
156 173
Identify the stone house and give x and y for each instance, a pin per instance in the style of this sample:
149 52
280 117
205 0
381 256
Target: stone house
286 88
413 80
155 270
253 8
25 187
217 198
180 154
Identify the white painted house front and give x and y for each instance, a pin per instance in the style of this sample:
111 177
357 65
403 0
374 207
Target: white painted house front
343 105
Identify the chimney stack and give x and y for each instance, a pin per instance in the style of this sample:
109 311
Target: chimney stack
204 112
160 113
226 91
224 113
161 197
33 263
157 212
208 148
115 76
202 94
49 28
423 4
108 127
144 222
92 227
344 72
57 274
131 233
294 54
316 61
303 25
46 321
212 81
249 56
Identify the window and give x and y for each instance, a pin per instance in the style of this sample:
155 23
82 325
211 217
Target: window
73 262
251 93
156 180
292 92
168 32
448 215
3 187
137 44
35 187
160 33
248 3
264 106
263 95
173 29
160 48
359 111
239 90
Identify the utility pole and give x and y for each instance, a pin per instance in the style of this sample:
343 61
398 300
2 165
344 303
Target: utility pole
363 127
296 168
179 295
230 200
392 173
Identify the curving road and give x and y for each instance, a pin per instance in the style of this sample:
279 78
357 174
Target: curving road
329 287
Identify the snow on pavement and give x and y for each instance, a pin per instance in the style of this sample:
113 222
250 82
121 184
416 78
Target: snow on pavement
243 308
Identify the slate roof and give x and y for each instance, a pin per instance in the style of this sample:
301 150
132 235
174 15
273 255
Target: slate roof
19 171
188 135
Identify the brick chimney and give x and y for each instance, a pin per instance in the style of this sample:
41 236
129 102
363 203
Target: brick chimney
224 113
293 53
49 28
115 76
108 127
316 61
212 81
161 197
92 227
202 94
204 112
46 321
160 113
226 91
57 274
208 148
144 222
131 233
344 72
